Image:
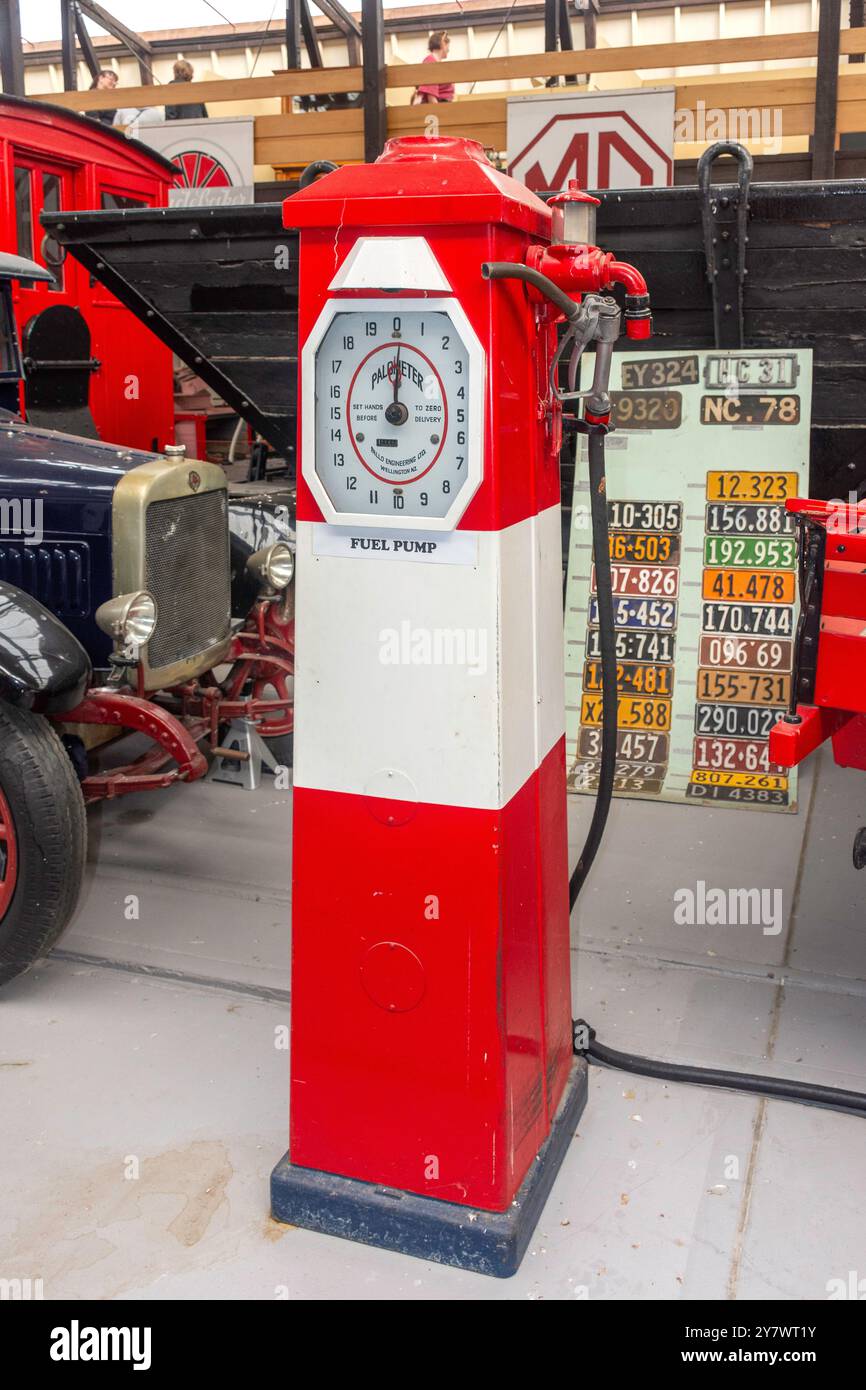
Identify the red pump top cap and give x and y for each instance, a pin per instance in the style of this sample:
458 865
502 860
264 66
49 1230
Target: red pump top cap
411 147
573 194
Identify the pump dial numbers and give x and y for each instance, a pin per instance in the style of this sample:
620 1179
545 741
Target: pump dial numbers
392 413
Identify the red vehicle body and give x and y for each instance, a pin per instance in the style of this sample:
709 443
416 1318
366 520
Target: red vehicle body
53 160
830 667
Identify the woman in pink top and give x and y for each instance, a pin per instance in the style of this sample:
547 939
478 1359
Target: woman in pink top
438 44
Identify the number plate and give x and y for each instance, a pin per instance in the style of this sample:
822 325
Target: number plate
775 369
645 516
632 677
736 721
749 653
750 410
634 646
743 687
631 746
656 581
730 518
665 371
751 487
762 781
633 712
584 778
759 586
747 618
742 795
651 613
733 755
647 547
775 552
646 410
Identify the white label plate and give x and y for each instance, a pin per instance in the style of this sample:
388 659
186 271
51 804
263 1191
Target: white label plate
425 547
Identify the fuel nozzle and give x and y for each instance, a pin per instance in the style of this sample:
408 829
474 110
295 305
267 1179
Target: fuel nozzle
606 329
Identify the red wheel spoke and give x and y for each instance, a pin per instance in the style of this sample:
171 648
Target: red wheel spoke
8 856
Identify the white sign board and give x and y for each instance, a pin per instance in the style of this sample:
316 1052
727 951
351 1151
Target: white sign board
604 139
214 157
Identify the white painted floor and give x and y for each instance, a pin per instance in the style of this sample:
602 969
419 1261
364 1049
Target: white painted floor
148 1046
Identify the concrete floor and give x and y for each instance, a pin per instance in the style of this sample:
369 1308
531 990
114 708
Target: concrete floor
144 1095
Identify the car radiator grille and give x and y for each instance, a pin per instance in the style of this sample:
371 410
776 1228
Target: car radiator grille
187 571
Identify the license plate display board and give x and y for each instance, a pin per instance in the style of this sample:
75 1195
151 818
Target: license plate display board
705 450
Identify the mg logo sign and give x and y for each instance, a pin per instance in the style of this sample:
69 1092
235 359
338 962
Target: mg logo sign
606 140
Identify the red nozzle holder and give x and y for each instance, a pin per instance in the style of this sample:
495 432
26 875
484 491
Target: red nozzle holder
577 269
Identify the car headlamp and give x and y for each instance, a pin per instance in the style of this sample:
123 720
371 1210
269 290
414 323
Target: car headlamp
129 618
274 566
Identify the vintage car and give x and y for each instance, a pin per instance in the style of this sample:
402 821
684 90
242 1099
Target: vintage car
131 602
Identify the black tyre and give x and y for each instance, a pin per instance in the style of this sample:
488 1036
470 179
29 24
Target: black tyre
43 839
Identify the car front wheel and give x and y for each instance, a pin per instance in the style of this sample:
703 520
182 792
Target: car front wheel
43 839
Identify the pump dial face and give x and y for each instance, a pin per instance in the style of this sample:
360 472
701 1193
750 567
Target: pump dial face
393 413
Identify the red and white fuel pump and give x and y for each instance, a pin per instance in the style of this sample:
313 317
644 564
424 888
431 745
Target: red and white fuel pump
434 1088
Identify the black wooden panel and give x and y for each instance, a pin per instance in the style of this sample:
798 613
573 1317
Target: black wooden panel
219 286
806 287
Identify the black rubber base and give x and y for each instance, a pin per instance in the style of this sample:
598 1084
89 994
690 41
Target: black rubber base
468 1237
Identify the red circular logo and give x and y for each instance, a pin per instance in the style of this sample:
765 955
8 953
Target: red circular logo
194 480
200 170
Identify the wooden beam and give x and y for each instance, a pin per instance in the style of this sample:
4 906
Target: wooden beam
293 33
11 51
138 47
311 38
373 52
550 25
856 17
68 55
303 82
826 89
87 50
644 57
589 10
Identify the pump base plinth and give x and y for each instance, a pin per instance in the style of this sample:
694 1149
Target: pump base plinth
482 1241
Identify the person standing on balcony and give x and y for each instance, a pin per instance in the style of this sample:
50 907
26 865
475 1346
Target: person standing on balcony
438 44
191 110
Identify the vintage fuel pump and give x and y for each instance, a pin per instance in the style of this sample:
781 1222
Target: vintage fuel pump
434 1087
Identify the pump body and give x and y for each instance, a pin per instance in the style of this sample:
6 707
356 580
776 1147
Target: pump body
431 1003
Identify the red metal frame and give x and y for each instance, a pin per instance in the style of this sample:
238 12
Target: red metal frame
177 720
839 708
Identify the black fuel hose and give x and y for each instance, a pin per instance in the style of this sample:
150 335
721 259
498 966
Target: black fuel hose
505 270
775 1088
607 644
